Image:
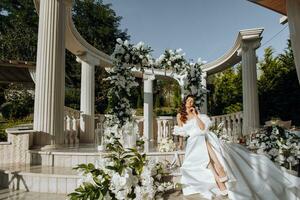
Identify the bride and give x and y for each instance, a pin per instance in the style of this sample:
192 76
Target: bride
213 168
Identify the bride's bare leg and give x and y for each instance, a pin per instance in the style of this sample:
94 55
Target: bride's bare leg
221 185
216 163
180 143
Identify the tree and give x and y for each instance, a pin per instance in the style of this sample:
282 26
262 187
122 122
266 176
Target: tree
279 90
18 30
98 24
94 20
226 94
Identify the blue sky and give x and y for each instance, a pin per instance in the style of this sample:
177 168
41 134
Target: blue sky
202 28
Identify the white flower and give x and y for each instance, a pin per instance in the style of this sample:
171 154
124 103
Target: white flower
178 50
139 45
260 151
273 152
126 43
107 196
120 41
291 159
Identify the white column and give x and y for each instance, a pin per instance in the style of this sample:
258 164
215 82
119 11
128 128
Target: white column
250 92
181 81
293 12
50 72
148 109
87 98
204 86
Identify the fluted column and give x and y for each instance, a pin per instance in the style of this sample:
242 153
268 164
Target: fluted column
87 98
148 109
249 79
204 86
293 12
50 72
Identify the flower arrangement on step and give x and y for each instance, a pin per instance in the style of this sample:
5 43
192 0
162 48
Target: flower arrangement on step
122 174
166 144
280 145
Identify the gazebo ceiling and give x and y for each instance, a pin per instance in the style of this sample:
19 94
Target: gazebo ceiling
275 5
16 71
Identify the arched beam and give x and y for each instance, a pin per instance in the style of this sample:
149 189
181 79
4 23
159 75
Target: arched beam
231 57
75 43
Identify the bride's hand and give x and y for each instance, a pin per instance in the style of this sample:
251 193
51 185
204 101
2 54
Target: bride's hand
193 111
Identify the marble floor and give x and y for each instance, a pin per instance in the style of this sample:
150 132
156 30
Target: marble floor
23 195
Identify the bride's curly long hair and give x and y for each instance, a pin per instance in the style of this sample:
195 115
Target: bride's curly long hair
183 112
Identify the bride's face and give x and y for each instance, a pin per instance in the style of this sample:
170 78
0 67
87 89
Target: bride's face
189 102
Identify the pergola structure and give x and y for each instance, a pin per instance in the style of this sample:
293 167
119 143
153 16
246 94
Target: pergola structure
291 9
57 33
244 49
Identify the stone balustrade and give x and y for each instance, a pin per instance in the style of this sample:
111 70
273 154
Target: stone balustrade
233 124
71 125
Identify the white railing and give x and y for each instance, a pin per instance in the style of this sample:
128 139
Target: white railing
162 126
233 124
71 125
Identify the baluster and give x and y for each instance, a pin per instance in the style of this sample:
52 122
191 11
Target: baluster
164 128
159 130
68 128
167 128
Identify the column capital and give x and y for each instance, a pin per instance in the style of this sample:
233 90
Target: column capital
88 58
147 76
248 45
204 74
249 39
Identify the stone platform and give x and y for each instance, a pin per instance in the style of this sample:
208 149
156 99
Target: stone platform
71 156
24 195
50 170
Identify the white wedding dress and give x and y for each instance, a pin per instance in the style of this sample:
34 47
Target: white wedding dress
251 176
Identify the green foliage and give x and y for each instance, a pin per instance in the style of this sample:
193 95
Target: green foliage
121 159
226 92
95 21
157 102
19 102
71 98
18 30
4 124
98 24
279 90
278 86
166 111
177 97
139 103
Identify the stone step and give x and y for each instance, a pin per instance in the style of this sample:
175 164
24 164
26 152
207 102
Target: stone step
37 178
72 156
6 193
44 179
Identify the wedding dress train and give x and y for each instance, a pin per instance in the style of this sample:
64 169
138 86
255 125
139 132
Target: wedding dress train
250 176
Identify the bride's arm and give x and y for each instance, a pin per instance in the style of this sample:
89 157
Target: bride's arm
200 123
